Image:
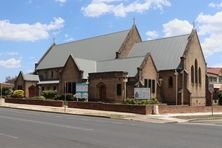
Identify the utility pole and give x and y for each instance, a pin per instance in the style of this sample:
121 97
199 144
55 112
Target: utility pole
1 90
65 98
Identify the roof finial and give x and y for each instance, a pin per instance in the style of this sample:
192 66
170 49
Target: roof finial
134 21
53 40
194 25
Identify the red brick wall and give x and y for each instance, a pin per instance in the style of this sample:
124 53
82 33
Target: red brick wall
137 109
36 102
187 109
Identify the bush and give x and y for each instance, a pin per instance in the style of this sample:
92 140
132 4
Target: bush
18 94
6 91
38 97
69 97
140 101
219 95
49 94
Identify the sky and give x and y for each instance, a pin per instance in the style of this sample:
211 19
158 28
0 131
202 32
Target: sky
29 27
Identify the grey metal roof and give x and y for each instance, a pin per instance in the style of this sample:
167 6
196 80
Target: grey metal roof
88 66
48 82
30 77
166 52
97 48
127 65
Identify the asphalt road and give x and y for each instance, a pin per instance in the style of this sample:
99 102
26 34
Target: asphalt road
28 129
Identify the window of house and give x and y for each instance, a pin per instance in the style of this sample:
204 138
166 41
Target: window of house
52 74
170 82
145 83
54 87
43 88
196 71
199 75
153 86
119 90
19 87
70 87
192 74
149 83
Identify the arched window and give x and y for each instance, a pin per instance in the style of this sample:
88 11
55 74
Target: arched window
199 70
170 82
196 71
52 74
192 74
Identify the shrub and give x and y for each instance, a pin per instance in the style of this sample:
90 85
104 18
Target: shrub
38 97
69 97
49 94
140 101
18 94
6 91
219 95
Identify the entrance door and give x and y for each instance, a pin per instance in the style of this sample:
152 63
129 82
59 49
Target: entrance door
102 92
101 87
33 91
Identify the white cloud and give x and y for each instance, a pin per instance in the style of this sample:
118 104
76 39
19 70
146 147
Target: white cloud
210 29
61 1
11 63
215 5
152 34
177 27
28 32
120 7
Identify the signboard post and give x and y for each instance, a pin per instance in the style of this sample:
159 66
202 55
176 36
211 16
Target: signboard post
142 93
82 91
211 89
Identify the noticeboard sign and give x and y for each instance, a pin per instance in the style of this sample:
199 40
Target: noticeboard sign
142 93
82 90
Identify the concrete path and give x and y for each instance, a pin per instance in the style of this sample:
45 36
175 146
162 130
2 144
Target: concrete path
163 118
87 112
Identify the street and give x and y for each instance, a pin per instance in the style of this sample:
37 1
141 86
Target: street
29 129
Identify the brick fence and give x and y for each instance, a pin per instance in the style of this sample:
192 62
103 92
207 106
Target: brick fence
36 102
137 109
163 109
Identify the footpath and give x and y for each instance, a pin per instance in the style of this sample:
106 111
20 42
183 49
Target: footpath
163 118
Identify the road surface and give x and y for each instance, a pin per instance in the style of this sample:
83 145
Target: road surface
29 129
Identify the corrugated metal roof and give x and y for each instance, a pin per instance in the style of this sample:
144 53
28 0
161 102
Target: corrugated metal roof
96 48
48 82
127 65
88 66
166 52
30 77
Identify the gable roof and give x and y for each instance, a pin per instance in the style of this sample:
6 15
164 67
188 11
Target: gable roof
166 52
126 64
29 77
87 66
214 70
96 48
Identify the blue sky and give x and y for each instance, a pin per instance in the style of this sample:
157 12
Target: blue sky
27 27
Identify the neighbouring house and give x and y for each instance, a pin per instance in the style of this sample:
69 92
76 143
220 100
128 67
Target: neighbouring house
174 68
28 83
6 85
215 77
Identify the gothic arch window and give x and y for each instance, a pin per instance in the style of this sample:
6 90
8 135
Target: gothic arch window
170 82
192 74
199 70
196 71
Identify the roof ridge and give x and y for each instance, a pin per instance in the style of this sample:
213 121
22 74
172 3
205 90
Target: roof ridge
163 38
133 57
92 37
